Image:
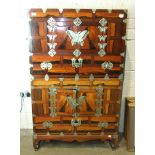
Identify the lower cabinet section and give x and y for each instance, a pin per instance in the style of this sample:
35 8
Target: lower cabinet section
71 112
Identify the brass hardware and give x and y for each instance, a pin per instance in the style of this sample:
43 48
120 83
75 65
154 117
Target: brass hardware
122 65
106 77
102 53
34 135
93 10
53 112
77 21
124 38
51 24
53 90
107 65
77 77
77 53
46 65
91 77
75 102
109 10
98 112
75 122
103 124
51 36
99 90
102 38
48 133
77 10
51 45
103 22
52 52
120 76
77 64
121 15
102 29
122 54
77 37
102 46
61 134
47 124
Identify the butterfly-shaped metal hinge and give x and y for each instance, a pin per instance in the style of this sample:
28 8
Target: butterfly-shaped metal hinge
77 37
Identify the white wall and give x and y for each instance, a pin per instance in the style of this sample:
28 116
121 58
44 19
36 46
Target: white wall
23 52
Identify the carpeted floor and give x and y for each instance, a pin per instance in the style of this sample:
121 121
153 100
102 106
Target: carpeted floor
74 148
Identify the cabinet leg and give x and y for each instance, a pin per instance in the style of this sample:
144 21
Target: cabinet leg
114 144
36 145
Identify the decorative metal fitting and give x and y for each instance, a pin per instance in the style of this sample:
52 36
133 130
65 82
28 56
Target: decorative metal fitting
77 64
122 54
102 38
46 65
98 112
121 15
124 38
61 134
102 29
103 22
77 53
91 77
51 24
101 53
53 112
52 52
75 122
103 124
102 46
120 76
77 21
109 10
77 37
51 36
93 10
122 65
61 79
51 45
34 135
75 102
107 65
125 21
46 77
99 90
51 28
99 101
53 90
51 21
77 77
47 124
106 77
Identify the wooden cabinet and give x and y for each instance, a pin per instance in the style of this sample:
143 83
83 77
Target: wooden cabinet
77 74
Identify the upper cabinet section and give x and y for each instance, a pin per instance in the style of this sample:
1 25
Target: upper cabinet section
84 29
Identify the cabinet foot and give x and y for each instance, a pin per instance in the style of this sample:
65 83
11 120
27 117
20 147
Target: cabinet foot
36 145
114 144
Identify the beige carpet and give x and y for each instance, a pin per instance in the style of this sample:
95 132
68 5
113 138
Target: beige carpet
75 148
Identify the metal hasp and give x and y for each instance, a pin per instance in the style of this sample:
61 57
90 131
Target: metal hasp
77 64
77 37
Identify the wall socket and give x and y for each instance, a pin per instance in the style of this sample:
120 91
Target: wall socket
25 94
